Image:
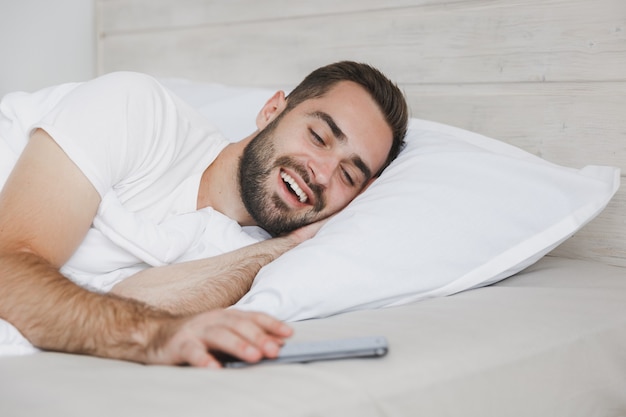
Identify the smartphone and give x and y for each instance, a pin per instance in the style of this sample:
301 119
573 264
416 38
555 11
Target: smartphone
304 352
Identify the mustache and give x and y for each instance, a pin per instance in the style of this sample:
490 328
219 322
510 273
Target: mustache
316 189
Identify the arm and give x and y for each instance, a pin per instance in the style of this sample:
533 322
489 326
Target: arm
46 207
216 282
196 286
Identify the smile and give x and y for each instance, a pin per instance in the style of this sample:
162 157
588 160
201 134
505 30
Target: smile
294 187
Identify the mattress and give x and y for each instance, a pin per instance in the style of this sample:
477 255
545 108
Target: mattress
549 341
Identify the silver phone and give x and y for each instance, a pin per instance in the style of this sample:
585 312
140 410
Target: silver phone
303 352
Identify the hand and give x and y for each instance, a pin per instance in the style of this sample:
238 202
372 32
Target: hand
308 231
245 335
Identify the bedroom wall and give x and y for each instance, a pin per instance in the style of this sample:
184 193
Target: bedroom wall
45 42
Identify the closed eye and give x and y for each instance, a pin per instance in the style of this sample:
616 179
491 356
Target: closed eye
317 137
347 177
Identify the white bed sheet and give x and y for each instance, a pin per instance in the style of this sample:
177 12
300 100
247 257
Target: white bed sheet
550 341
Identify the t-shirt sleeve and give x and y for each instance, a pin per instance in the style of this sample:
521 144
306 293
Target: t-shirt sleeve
115 128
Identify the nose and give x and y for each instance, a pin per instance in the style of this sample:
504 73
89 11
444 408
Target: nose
322 168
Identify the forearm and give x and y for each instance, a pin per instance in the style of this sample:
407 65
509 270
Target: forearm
55 314
205 284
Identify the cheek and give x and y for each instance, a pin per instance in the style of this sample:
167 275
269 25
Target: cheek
340 197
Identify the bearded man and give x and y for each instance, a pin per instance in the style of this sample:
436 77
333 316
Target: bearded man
125 138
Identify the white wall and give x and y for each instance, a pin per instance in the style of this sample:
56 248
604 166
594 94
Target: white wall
46 42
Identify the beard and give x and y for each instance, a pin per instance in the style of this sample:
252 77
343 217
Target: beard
267 209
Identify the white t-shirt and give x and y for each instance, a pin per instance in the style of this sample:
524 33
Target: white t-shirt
144 150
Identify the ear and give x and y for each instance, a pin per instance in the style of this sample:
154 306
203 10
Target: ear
274 106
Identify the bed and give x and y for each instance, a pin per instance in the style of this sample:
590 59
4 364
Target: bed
535 331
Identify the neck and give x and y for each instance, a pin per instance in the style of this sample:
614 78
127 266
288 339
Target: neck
219 185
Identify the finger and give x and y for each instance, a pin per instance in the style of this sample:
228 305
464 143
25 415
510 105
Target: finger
266 322
247 336
184 345
268 325
271 325
252 334
225 339
262 331
276 332
192 351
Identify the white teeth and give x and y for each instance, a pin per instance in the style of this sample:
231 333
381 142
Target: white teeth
294 186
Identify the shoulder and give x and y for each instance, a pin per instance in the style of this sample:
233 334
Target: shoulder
128 83
129 79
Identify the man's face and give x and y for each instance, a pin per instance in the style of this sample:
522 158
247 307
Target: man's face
311 161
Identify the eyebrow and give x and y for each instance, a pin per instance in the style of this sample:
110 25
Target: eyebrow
341 137
337 132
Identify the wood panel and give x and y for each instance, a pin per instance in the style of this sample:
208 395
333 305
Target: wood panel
604 238
464 42
573 124
136 15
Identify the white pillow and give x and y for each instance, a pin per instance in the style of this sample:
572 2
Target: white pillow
233 109
455 211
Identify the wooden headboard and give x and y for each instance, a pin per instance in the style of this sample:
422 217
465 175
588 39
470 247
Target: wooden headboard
548 76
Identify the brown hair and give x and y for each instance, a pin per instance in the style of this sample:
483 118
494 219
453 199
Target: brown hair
385 93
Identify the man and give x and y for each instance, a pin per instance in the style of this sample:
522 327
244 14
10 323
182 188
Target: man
123 134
